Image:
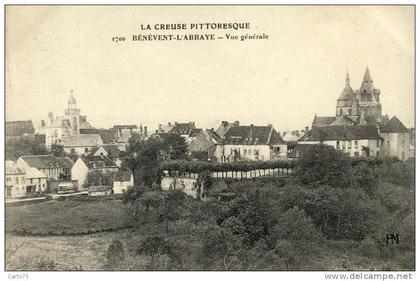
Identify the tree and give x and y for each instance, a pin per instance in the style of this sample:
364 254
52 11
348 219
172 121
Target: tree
143 158
364 178
162 254
324 165
16 148
297 228
97 177
175 146
57 150
114 254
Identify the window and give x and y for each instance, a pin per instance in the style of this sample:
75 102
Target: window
378 142
256 152
356 153
338 145
341 111
377 153
8 179
349 142
86 150
356 144
17 180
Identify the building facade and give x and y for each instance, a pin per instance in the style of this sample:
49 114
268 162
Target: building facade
250 143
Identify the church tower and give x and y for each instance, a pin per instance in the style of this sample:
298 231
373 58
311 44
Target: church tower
369 101
72 113
345 102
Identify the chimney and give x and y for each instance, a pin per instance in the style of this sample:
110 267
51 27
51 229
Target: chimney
42 123
169 123
306 129
176 123
145 131
225 123
156 132
270 125
236 123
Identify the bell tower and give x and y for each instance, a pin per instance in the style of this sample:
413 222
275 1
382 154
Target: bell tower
72 113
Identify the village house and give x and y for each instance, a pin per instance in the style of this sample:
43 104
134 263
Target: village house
183 129
36 181
122 181
111 150
81 144
19 129
396 139
15 185
352 140
55 168
202 144
225 126
252 143
88 163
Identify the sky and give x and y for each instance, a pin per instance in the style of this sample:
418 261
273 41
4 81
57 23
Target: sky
299 71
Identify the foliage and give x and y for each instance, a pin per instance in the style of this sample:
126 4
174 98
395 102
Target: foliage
364 178
97 177
185 166
57 150
324 165
297 228
16 148
156 248
114 254
174 146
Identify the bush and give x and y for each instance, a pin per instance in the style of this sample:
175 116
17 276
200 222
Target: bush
114 254
324 165
297 228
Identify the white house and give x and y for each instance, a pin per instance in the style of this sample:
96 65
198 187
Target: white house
351 140
36 181
122 181
250 143
396 139
55 168
15 185
87 163
82 143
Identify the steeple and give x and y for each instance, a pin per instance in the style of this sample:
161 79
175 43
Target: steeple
367 78
347 79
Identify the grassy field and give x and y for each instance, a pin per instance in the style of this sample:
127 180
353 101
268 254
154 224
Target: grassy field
47 229
65 217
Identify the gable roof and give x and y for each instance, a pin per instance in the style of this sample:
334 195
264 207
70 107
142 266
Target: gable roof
252 135
320 121
342 133
214 136
48 161
93 162
183 128
82 140
195 132
19 128
112 150
393 126
122 176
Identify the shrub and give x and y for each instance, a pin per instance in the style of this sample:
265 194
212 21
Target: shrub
114 254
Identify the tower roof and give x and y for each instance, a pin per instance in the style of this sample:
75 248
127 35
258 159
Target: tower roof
71 99
347 93
367 82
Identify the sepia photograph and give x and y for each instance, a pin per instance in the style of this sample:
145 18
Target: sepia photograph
210 138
